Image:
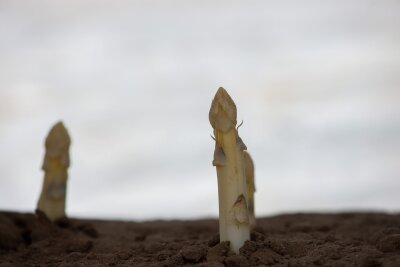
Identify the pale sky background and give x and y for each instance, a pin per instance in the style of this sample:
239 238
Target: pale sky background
316 83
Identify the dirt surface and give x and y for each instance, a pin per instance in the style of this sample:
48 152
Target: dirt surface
348 239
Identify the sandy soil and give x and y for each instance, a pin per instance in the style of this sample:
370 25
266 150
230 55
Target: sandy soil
348 239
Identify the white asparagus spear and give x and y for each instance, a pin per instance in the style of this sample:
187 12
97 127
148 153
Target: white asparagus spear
55 164
228 159
251 188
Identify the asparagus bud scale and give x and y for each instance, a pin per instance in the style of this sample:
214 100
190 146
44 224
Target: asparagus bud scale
251 188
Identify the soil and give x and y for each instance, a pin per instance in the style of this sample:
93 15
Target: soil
346 239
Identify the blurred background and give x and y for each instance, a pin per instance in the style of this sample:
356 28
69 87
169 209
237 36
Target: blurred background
315 82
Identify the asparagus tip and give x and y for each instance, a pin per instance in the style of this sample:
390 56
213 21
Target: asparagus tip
223 112
58 133
57 144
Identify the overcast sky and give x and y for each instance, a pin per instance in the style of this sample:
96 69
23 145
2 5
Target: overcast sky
315 82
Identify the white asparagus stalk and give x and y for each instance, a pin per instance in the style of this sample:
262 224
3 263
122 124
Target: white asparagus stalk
55 164
251 188
228 159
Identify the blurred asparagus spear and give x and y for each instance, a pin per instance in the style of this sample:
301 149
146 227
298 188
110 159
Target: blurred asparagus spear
249 172
229 161
55 164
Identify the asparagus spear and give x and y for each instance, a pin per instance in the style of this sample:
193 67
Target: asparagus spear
229 161
249 171
55 164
